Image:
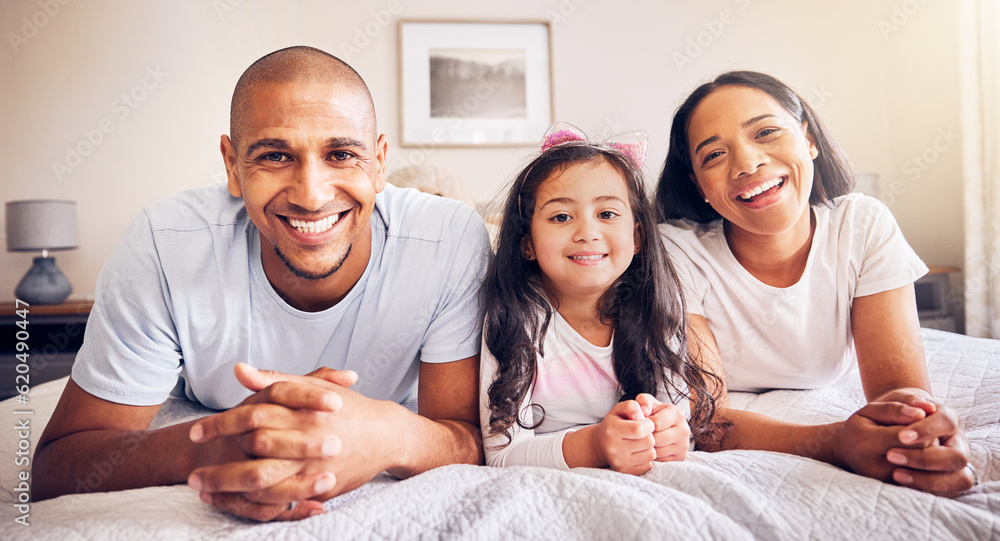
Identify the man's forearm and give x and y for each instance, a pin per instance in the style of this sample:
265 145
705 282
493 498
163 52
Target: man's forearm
109 460
426 444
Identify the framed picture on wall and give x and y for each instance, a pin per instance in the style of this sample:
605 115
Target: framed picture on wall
474 83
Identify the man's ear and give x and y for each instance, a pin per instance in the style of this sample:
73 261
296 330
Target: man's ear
381 149
229 160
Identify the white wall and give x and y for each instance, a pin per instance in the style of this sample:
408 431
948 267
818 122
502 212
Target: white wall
883 85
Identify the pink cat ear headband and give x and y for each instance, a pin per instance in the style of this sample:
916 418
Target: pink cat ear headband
631 145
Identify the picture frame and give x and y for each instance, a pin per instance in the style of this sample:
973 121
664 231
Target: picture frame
474 83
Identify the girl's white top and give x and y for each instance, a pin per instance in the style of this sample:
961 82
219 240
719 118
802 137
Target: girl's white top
575 386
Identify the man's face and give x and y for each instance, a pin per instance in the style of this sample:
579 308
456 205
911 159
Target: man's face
308 167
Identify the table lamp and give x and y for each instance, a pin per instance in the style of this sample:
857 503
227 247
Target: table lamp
42 225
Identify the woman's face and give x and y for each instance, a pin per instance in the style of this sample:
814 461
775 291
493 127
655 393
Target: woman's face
752 160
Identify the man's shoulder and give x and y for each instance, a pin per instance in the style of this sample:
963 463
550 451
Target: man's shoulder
412 214
196 209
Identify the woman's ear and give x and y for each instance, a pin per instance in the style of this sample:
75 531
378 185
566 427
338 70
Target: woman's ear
813 150
694 180
527 250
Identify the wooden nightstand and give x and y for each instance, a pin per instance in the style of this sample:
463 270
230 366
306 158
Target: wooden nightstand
54 334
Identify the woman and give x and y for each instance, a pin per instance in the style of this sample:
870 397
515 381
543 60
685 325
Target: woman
790 281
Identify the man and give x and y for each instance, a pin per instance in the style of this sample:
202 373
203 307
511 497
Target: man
310 264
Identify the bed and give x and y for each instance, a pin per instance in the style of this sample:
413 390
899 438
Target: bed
727 495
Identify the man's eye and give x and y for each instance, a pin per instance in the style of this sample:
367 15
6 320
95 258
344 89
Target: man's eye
341 156
274 157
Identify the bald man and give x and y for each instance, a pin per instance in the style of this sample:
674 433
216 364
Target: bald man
304 299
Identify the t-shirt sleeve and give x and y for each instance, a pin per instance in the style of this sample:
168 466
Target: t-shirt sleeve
130 354
887 260
455 330
525 448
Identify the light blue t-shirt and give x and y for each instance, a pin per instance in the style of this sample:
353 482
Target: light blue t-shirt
185 296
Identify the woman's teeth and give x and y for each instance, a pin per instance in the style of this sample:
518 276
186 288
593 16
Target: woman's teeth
760 189
320 226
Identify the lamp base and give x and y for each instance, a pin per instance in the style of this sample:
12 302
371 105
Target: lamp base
44 283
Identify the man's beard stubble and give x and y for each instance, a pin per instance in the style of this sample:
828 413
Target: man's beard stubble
311 275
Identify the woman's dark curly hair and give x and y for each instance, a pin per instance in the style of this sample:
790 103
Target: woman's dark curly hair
678 197
644 304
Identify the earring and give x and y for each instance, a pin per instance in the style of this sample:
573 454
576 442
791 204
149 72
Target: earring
706 200
813 152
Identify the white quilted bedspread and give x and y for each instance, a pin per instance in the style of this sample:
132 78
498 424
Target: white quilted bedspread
728 495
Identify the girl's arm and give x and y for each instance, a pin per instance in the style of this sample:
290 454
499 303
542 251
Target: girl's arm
525 448
623 440
860 443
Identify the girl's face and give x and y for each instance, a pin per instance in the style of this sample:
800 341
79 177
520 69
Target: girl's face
583 233
752 160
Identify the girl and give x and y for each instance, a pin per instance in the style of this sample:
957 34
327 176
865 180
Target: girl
792 282
584 320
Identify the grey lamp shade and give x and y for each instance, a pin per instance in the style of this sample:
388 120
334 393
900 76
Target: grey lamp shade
41 224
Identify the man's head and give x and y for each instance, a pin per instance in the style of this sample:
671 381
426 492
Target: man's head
294 64
304 155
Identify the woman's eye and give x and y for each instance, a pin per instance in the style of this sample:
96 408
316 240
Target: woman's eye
711 156
766 131
560 218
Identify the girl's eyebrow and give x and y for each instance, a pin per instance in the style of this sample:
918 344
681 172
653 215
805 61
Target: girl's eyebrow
568 200
746 124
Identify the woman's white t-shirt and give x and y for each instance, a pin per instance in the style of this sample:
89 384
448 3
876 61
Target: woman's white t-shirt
797 337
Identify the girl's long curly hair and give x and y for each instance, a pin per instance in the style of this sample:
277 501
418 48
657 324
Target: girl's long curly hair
644 304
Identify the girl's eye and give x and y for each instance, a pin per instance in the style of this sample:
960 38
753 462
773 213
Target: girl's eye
560 218
608 215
